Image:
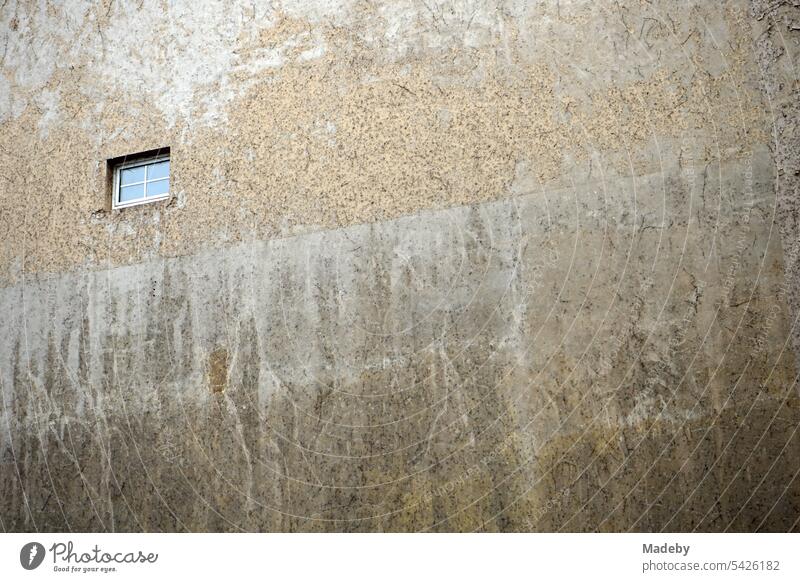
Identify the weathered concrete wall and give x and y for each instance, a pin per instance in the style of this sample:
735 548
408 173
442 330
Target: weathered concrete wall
777 53
443 265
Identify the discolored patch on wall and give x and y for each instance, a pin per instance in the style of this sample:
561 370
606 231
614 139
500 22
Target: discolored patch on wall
218 370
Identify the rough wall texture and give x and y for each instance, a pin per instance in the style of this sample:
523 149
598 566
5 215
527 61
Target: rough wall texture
443 265
777 52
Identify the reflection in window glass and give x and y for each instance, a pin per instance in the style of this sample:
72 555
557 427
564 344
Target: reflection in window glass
159 170
132 175
157 188
130 193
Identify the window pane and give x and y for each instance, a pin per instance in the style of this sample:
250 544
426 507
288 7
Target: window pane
133 175
128 193
159 170
157 188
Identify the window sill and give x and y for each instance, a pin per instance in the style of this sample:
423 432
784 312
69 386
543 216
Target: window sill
140 202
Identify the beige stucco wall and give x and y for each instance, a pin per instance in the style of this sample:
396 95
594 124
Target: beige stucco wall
316 115
427 265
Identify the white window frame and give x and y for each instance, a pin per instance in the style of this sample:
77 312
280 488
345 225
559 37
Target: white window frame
115 203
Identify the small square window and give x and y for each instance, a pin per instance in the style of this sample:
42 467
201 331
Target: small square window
140 179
